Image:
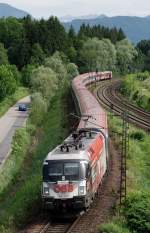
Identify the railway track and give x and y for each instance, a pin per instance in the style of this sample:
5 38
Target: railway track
107 95
52 227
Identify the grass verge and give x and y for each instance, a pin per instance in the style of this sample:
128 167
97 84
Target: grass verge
136 87
138 176
136 214
24 199
10 100
9 171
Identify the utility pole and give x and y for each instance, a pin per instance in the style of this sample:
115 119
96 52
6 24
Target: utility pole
124 153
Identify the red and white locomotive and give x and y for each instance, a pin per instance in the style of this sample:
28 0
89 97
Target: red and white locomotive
73 171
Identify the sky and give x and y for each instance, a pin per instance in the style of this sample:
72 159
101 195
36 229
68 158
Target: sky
45 8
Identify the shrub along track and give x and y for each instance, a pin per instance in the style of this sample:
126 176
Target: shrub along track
108 96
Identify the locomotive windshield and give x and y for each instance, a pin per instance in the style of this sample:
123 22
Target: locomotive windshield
59 170
71 171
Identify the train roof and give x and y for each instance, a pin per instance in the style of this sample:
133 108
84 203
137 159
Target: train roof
87 102
70 149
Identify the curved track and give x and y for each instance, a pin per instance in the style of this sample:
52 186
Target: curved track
108 95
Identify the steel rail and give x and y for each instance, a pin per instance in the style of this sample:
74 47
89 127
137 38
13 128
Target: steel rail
107 97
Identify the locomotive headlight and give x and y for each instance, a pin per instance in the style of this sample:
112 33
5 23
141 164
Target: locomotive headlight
46 190
81 190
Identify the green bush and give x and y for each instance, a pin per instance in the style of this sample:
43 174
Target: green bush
137 135
38 108
44 80
137 212
112 228
72 70
137 88
26 74
57 65
15 72
143 76
8 83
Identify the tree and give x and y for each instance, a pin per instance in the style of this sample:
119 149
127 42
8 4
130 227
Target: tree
56 37
38 108
3 55
72 36
137 212
44 81
31 29
37 55
72 54
56 64
144 49
7 82
126 53
26 74
15 72
144 46
72 70
86 31
11 31
19 53
98 54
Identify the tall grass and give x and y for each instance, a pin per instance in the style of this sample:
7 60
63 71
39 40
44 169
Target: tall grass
113 228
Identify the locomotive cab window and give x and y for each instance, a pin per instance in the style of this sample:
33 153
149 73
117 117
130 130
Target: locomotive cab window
71 171
55 171
83 170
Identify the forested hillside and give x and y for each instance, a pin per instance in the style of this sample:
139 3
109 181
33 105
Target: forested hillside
26 43
135 28
29 41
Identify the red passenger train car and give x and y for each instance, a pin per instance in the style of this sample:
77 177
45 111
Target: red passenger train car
73 171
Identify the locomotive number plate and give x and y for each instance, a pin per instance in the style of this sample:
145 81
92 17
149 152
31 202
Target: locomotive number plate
63 195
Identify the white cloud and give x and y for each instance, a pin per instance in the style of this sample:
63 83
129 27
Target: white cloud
46 8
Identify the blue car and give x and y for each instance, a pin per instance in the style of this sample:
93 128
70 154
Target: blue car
22 107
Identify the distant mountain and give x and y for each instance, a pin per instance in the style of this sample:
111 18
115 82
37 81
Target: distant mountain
68 18
7 11
135 28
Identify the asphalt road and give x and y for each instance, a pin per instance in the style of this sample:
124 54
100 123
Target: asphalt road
9 122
